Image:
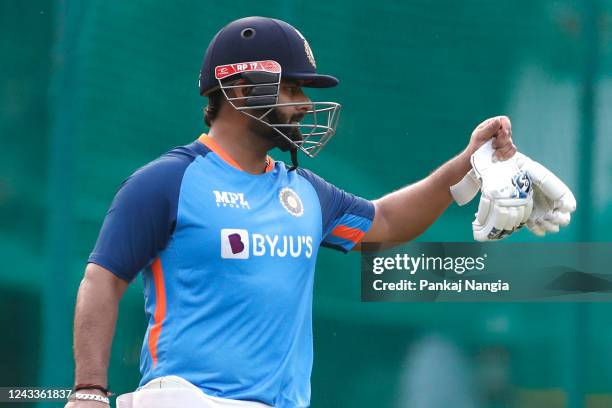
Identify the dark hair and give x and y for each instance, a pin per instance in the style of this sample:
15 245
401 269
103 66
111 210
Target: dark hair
215 100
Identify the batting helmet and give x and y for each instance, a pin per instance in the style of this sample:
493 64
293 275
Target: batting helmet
260 39
259 51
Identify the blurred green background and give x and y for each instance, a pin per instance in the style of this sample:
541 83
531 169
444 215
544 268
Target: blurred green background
92 89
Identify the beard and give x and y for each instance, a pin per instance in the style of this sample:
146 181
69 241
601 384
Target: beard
268 131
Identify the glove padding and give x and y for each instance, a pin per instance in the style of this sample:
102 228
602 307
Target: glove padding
514 192
553 201
506 197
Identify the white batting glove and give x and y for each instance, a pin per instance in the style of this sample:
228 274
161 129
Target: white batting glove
506 198
553 201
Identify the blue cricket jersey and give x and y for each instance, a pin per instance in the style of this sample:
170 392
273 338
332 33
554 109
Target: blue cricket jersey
228 263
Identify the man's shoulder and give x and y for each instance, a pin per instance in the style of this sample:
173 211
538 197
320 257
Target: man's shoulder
168 169
318 182
175 159
180 155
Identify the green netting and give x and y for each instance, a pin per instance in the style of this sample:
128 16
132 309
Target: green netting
91 90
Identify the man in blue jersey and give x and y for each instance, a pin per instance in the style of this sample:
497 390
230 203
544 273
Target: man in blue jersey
227 239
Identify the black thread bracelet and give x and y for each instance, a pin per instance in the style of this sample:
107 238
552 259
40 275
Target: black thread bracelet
79 387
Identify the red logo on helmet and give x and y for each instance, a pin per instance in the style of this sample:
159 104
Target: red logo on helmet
223 71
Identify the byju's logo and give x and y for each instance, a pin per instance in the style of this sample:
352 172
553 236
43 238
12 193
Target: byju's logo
240 244
229 199
234 243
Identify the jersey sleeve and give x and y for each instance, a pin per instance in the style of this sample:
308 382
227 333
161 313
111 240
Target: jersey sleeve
141 218
346 217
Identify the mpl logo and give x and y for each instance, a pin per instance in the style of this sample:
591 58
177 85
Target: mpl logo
240 244
232 200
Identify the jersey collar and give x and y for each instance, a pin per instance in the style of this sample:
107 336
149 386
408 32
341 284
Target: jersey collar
214 146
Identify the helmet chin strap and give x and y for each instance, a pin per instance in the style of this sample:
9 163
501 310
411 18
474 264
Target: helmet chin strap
294 159
284 145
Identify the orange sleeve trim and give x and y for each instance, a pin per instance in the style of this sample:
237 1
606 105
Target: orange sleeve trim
352 234
160 308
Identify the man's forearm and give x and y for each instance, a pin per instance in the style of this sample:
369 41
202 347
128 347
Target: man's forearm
94 325
404 214
411 210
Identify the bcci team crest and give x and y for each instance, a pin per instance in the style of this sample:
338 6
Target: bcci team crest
291 201
309 54
308 51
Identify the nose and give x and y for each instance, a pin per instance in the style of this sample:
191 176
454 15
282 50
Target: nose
302 98
302 109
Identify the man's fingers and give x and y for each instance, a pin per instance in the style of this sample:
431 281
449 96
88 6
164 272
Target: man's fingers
502 142
505 152
559 217
501 139
503 136
549 226
505 123
564 218
567 203
488 128
536 228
